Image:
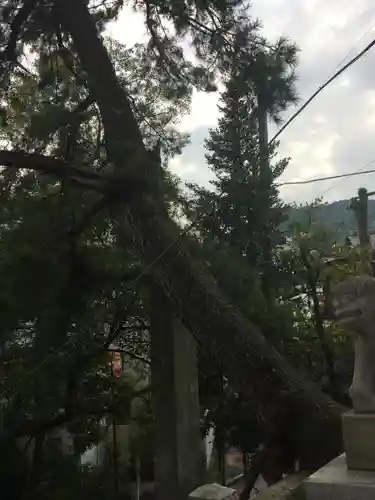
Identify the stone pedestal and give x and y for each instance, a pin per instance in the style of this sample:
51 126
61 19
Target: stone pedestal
358 431
336 482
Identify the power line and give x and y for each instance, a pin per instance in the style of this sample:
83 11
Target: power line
355 45
335 75
338 65
360 171
319 179
320 89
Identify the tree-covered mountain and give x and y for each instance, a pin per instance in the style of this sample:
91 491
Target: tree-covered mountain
337 214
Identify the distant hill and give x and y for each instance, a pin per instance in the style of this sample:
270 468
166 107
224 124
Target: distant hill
339 216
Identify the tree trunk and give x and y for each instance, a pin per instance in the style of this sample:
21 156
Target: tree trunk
326 348
265 181
250 480
252 365
258 463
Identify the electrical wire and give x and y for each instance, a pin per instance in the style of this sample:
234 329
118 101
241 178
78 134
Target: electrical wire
336 73
319 179
320 89
355 45
360 171
337 67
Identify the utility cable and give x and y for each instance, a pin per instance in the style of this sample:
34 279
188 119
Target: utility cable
336 73
320 89
336 68
354 46
360 171
319 179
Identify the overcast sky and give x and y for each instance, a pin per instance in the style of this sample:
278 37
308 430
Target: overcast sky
336 133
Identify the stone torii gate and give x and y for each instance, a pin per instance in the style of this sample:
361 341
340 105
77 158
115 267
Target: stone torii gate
179 465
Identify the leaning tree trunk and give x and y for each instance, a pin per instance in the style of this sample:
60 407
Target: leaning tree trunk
252 365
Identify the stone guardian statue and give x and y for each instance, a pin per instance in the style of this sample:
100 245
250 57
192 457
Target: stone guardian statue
354 303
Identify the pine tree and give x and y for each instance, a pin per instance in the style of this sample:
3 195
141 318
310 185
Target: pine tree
241 232
249 209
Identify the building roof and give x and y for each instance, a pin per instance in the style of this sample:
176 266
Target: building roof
354 240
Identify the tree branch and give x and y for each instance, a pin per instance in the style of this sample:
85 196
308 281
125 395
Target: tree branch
9 54
75 116
119 124
94 210
33 427
114 185
51 166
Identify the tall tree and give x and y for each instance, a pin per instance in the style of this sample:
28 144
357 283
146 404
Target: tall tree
239 235
249 210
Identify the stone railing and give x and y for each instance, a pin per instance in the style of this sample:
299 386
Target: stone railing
287 489
213 492
282 490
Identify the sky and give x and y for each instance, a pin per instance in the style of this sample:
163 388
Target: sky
336 133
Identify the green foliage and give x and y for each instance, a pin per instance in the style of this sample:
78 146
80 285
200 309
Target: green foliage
314 261
270 71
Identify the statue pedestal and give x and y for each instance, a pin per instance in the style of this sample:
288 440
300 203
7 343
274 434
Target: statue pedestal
358 431
351 475
335 481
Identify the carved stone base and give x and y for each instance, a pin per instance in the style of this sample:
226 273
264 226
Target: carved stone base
359 440
336 482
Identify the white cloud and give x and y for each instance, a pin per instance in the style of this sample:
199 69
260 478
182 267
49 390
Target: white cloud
204 112
129 28
334 134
